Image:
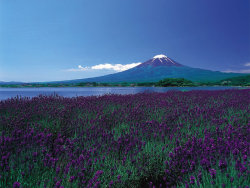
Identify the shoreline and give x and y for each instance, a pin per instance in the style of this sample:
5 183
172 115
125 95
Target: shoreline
2 86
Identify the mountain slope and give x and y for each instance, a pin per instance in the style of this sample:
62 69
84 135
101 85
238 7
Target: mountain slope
157 68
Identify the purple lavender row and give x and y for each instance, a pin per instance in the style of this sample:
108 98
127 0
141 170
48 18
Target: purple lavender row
172 139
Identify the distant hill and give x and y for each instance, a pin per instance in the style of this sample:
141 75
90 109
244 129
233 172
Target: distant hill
158 68
10 83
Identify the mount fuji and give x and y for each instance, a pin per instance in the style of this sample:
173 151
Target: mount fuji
157 68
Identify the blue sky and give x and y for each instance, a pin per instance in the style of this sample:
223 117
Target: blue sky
70 39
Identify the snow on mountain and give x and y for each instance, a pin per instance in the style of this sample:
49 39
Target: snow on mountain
160 60
159 56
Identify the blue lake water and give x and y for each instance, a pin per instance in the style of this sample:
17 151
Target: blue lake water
6 93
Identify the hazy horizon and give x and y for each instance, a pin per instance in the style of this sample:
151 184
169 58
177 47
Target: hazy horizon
62 40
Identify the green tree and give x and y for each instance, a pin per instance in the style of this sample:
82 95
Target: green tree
168 82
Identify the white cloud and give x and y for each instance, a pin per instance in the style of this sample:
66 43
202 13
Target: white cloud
116 67
72 70
247 64
237 71
107 66
80 68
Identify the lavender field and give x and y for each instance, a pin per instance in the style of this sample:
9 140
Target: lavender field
172 139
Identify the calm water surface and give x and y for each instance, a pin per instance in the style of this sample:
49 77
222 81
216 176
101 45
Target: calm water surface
6 93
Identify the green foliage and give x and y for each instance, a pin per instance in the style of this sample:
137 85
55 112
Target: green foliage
237 81
234 81
168 82
146 84
230 177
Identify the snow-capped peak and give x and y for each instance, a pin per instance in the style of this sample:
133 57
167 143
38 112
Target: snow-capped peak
159 56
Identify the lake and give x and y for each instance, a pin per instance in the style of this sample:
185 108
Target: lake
6 93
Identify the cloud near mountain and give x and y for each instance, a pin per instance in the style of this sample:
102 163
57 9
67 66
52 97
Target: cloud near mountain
107 66
237 71
247 64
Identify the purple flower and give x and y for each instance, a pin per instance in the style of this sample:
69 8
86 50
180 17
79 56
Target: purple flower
111 182
222 164
171 155
35 154
205 163
244 157
167 171
97 184
150 184
99 172
200 176
163 148
231 179
243 169
71 179
103 158
129 172
212 173
58 183
192 180
16 184
235 151
119 177
164 178
57 170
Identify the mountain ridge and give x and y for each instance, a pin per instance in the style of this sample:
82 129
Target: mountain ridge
157 68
